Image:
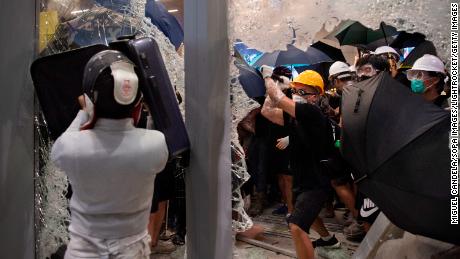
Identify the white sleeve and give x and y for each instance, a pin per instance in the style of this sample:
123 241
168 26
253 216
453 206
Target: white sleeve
81 118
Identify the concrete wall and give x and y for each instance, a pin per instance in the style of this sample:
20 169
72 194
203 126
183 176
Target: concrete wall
17 30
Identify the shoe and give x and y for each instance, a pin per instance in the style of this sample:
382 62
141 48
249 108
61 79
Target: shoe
281 210
348 219
163 247
355 231
331 243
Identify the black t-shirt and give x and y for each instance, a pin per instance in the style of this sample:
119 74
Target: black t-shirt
310 140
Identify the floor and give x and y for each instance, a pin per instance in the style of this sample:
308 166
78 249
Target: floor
277 237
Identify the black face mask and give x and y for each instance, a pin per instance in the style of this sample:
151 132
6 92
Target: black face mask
363 77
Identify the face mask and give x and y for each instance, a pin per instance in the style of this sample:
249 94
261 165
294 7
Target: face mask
363 77
298 99
417 86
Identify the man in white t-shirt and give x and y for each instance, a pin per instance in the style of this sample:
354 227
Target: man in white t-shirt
110 164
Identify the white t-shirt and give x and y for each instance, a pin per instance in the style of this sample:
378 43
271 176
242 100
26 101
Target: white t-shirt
112 169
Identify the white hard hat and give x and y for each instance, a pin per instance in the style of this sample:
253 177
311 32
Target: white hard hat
386 49
338 67
429 63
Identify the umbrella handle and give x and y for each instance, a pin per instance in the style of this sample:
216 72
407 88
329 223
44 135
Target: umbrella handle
361 178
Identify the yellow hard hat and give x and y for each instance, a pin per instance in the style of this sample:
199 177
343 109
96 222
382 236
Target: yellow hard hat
311 78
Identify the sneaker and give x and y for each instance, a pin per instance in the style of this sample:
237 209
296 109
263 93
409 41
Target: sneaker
163 247
331 243
281 210
348 219
355 231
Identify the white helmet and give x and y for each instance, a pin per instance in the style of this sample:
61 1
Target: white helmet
338 68
386 49
429 63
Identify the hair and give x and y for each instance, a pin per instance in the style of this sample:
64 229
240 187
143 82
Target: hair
378 62
440 85
106 106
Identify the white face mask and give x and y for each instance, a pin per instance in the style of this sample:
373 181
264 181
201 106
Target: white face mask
298 99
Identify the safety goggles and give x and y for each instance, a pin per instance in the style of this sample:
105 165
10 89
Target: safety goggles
366 70
417 75
302 92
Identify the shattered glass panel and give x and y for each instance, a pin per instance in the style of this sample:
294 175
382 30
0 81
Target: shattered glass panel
269 25
66 25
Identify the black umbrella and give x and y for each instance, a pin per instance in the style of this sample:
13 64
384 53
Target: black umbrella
356 34
406 39
425 47
398 144
332 52
292 56
165 21
251 79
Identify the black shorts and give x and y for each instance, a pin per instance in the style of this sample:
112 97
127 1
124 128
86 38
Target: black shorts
368 210
307 206
279 162
164 186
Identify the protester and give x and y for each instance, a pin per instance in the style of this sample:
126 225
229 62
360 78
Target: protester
110 164
370 65
391 55
427 78
163 192
309 137
340 76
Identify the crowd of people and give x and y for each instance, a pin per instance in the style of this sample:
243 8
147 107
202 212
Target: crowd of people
293 147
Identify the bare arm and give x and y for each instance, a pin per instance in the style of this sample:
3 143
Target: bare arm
272 113
288 106
278 99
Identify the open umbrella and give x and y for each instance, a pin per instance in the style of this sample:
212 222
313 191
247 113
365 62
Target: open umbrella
165 22
332 52
354 33
406 39
398 145
425 47
251 79
292 56
249 55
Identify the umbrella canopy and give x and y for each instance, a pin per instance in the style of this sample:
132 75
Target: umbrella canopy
356 34
332 52
292 56
249 55
406 39
398 144
165 21
425 47
251 79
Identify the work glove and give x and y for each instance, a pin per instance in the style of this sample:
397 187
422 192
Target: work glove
283 143
273 90
266 71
